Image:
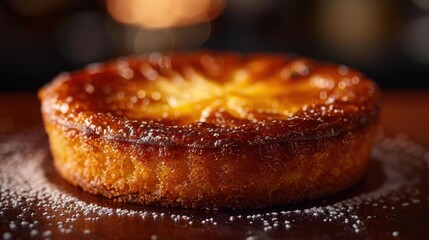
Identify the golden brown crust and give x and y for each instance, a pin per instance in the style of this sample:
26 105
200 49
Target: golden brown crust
106 137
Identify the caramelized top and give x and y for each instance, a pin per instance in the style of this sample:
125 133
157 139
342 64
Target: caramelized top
209 99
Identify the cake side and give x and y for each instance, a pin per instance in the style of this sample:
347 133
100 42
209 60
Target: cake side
235 177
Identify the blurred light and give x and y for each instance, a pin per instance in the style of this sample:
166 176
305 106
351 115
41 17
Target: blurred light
133 39
152 40
417 39
82 38
164 13
423 4
355 28
192 36
36 7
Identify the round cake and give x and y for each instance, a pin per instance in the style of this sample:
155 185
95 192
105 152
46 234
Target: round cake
211 130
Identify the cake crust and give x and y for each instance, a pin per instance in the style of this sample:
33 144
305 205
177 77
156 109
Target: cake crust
192 130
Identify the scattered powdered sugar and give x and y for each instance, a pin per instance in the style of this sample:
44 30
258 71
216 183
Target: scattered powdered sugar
36 203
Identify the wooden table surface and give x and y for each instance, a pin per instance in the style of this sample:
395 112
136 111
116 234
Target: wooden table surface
387 203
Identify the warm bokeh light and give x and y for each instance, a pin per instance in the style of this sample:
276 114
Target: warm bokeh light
164 13
354 28
130 39
417 39
386 41
423 4
143 40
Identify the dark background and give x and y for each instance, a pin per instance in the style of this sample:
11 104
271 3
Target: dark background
386 39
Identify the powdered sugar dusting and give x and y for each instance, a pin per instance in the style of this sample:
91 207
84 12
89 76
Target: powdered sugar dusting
36 203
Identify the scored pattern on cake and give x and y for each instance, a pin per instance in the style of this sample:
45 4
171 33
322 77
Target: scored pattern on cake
197 97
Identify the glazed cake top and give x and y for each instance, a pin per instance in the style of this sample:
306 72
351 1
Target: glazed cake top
206 99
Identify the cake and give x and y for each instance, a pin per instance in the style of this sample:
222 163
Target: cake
211 130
